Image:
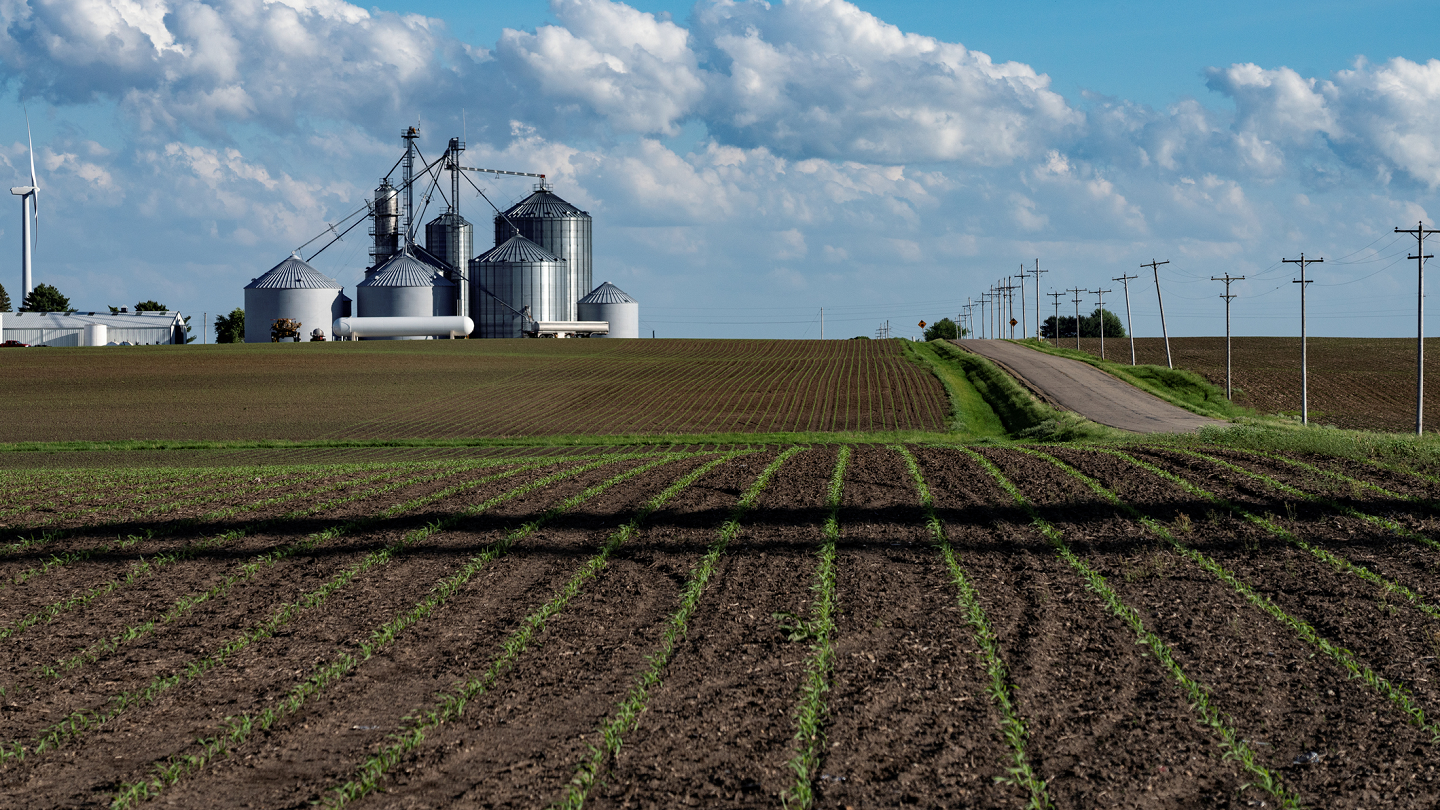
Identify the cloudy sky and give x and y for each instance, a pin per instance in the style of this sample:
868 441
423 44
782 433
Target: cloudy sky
749 163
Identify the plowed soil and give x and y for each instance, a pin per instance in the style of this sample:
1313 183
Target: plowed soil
910 715
467 389
1358 383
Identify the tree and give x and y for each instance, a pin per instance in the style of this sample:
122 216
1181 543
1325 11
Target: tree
1067 327
943 329
45 298
151 306
230 328
1090 325
4 299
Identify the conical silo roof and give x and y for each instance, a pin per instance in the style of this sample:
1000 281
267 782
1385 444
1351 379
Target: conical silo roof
544 203
404 270
293 274
607 293
518 249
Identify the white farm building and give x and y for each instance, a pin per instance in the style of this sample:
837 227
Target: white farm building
93 328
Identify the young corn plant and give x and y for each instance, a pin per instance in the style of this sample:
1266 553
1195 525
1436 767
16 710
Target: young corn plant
1335 561
1396 695
810 714
79 723
1232 746
627 714
237 730
143 568
1012 727
1349 511
253 567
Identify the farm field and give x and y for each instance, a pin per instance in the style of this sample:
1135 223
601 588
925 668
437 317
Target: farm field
830 625
1356 383
379 390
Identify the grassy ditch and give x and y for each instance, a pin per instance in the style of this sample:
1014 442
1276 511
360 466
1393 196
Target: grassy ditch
989 404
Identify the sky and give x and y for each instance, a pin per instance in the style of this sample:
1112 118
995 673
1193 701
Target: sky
747 163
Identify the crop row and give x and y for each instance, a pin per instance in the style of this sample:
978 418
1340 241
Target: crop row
856 386
1091 566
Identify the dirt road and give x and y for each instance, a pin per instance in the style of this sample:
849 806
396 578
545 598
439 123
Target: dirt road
1088 391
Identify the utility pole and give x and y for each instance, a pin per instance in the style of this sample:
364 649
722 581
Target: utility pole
1038 271
1304 370
1101 294
1024 330
1009 317
1057 296
1129 327
1154 265
1076 291
983 316
1227 296
1420 232
204 327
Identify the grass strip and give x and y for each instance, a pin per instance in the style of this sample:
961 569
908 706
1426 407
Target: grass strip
1335 561
1000 689
627 714
236 730
1349 511
253 567
811 712
1198 695
78 723
1396 695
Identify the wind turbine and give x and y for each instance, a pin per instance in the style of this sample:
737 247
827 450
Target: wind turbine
29 214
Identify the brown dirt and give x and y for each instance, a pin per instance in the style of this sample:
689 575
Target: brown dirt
1359 383
475 388
909 721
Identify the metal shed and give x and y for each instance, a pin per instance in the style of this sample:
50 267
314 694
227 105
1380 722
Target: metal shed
68 328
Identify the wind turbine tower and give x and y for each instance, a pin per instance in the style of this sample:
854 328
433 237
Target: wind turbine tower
29 216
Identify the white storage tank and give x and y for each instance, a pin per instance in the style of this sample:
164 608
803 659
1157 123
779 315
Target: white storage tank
291 289
96 334
405 287
610 303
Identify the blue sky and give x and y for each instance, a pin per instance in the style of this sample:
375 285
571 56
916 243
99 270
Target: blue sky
748 164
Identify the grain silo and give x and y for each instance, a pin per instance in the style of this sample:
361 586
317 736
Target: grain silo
521 274
405 287
291 289
558 227
385 224
610 303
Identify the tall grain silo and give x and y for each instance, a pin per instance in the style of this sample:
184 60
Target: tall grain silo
521 274
558 227
291 289
451 239
385 225
610 303
405 287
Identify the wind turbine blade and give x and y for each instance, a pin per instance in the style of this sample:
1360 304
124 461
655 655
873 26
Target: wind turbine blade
31 142
34 186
